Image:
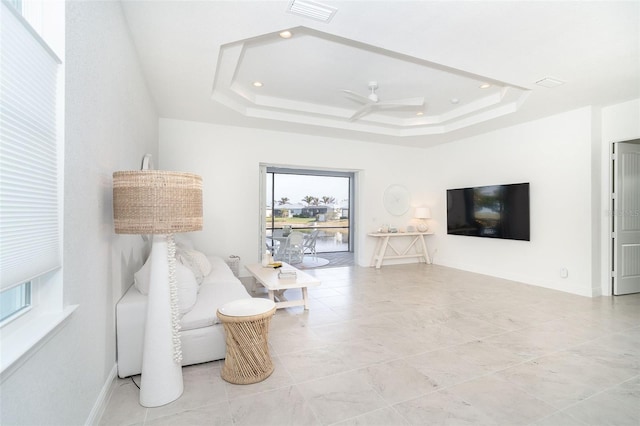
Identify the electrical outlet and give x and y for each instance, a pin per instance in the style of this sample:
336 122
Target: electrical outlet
564 272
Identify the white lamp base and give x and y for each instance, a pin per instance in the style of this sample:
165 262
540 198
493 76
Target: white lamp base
161 381
423 227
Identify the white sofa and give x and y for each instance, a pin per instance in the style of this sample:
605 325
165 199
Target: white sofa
202 335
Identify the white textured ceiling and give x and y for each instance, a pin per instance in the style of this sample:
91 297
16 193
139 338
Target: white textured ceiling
201 58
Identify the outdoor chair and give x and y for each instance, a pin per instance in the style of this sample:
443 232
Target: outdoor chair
309 245
293 250
273 246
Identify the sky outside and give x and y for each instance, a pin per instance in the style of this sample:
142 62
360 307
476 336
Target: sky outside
296 187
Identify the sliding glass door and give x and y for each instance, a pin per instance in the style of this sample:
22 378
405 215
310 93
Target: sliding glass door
314 202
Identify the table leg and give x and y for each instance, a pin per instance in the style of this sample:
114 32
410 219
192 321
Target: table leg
383 249
376 251
271 295
305 297
425 251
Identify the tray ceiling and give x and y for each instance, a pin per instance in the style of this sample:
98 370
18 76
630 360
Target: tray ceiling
257 77
201 58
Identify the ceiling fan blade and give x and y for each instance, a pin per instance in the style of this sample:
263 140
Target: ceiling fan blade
362 112
371 102
357 97
403 102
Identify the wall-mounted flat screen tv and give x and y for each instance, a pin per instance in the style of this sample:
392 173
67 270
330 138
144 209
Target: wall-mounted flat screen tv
497 211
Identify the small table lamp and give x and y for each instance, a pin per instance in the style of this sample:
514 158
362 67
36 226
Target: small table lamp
422 213
160 203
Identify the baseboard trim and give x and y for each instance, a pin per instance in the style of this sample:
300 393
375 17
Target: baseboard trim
103 398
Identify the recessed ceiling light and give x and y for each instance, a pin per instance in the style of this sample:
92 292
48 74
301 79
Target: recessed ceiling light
419 113
257 84
455 100
485 86
286 34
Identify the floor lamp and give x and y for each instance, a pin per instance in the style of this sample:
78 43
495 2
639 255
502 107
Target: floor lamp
160 203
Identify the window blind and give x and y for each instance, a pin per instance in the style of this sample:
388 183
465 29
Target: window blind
29 205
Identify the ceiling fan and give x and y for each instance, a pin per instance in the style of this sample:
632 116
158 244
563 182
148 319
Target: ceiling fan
372 103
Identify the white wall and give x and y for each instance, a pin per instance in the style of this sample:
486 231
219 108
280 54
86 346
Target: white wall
228 158
554 156
564 157
110 123
621 122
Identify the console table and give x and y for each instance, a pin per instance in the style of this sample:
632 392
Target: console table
383 241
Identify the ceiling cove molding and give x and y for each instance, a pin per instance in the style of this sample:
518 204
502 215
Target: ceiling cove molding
304 77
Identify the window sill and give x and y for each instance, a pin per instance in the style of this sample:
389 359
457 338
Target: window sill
27 339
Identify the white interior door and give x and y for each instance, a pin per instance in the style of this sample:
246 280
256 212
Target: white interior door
626 218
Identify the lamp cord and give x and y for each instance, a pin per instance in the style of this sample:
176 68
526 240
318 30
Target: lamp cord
173 289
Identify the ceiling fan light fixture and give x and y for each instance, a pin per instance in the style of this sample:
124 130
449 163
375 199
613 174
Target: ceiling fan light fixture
371 102
311 9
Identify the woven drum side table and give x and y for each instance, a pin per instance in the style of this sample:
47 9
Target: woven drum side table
246 325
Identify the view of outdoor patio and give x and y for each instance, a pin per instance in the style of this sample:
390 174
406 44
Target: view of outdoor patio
306 202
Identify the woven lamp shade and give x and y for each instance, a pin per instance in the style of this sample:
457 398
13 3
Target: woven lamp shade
156 202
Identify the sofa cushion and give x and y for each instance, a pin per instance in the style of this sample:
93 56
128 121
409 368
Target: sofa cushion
213 294
187 288
199 303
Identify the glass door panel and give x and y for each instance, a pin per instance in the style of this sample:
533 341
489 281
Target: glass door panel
306 200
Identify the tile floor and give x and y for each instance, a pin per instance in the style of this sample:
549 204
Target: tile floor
424 345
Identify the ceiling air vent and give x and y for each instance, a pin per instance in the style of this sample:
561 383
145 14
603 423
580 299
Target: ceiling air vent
550 82
313 10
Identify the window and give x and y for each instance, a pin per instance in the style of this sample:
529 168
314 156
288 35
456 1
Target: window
15 301
31 136
307 201
29 219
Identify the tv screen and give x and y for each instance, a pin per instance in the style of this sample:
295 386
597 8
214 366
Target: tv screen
498 211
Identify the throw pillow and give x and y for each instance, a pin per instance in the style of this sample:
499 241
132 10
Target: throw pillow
182 242
196 261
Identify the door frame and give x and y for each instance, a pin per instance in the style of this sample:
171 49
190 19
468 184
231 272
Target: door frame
609 288
353 195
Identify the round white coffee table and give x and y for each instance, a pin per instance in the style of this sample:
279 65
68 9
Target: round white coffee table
246 325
